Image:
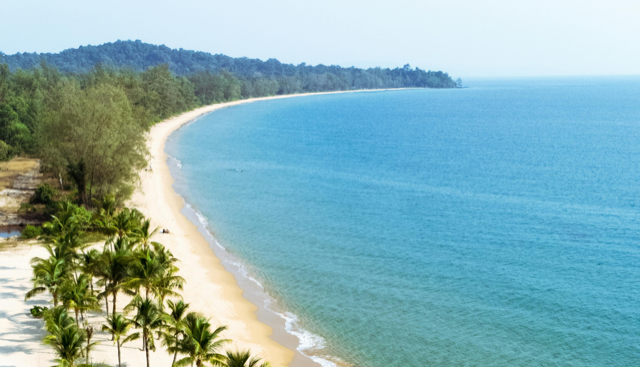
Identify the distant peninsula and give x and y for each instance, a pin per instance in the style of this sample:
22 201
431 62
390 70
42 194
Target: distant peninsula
301 78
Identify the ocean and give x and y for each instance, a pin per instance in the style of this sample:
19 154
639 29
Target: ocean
496 225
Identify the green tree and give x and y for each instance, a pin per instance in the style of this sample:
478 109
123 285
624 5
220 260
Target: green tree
149 318
67 343
119 327
49 275
200 344
77 295
174 332
243 359
93 137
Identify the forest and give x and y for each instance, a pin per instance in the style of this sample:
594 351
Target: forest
140 56
84 112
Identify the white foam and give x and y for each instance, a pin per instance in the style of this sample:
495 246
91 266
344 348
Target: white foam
176 161
308 342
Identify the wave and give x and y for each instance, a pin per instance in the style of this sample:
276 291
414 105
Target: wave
309 343
176 161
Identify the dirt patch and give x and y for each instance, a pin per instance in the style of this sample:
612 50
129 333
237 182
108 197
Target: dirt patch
19 178
12 170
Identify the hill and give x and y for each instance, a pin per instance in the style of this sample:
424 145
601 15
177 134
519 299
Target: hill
140 56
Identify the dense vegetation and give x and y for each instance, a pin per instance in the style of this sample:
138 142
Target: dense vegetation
84 112
81 279
291 78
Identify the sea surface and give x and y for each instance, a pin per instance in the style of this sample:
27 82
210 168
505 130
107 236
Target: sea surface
496 225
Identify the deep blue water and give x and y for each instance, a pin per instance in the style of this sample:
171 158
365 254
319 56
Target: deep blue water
492 226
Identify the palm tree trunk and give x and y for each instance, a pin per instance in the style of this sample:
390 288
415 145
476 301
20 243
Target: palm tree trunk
146 348
106 298
115 294
175 355
119 363
77 323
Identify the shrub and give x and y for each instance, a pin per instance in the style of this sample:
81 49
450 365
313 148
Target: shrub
44 194
5 151
27 208
38 312
31 232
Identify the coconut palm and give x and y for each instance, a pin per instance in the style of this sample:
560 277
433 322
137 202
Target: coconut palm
67 344
200 344
166 284
243 359
90 264
114 269
48 275
57 319
88 329
148 318
77 295
145 270
143 234
174 333
119 327
125 222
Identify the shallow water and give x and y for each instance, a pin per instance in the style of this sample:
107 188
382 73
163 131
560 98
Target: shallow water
495 225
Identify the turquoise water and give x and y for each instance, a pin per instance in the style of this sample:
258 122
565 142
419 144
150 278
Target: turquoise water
492 226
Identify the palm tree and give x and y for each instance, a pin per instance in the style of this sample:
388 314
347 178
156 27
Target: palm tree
67 343
114 269
57 319
200 344
126 222
243 359
144 272
165 285
89 333
148 318
90 264
143 234
77 295
48 276
175 325
118 326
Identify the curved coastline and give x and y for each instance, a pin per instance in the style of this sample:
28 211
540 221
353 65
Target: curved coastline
213 290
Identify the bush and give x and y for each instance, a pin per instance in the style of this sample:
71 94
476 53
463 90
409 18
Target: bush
27 208
5 151
44 194
38 312
31 232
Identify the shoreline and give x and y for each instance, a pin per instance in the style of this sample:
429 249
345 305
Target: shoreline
211 288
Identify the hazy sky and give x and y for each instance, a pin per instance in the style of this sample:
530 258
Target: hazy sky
467 38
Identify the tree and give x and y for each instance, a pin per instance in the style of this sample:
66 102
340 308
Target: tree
48 276
93 137
200 344
243 359
119 327
148 318
114 269
145 271
174 333
143 234
458 83
77 295
67 343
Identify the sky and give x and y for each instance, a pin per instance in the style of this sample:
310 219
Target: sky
466 38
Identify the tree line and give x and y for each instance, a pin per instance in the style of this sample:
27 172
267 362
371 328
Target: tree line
81 280
140 56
